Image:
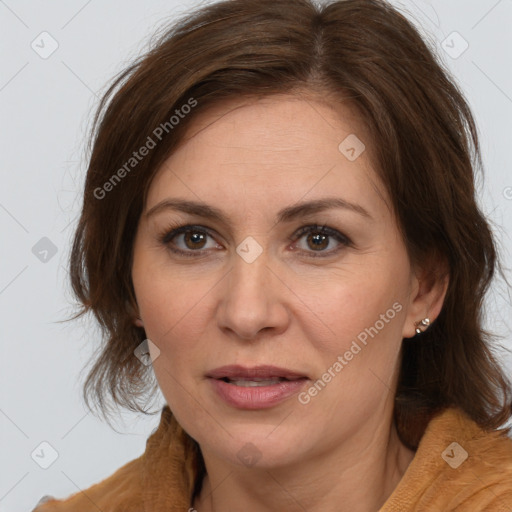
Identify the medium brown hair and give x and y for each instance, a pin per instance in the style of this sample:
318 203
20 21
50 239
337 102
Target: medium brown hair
424 143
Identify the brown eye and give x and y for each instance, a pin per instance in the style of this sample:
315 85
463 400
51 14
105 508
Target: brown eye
194 239
322 240
317 241
189 240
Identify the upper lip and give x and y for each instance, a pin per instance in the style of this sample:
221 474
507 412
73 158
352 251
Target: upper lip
259 372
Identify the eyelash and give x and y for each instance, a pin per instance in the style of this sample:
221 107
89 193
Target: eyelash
166 236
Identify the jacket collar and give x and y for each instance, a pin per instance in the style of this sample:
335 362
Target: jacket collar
172 468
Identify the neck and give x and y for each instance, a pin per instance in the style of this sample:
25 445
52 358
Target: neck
356 477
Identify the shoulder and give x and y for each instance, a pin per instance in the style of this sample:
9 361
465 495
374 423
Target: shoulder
164 476
458 466
122 491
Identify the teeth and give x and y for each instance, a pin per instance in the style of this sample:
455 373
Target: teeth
255 383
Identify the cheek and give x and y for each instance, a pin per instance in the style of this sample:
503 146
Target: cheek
175 305
350 301
174 311
358 359
164 294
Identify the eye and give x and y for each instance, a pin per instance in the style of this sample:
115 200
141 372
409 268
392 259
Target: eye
319 238
187 240
190 240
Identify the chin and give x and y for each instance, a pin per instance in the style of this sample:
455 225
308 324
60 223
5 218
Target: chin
260 447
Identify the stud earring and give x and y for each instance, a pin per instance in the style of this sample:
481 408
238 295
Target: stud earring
422 325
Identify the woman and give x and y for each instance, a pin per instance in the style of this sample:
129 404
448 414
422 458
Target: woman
280 209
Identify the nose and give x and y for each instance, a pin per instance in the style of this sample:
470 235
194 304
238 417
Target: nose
253 300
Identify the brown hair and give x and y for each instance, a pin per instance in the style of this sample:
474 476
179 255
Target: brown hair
425 147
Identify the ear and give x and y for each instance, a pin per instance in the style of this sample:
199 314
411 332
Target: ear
134 313
429 283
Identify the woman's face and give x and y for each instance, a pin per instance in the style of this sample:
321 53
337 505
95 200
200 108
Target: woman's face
279 277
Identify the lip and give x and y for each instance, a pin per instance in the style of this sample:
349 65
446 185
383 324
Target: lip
261 372
260 397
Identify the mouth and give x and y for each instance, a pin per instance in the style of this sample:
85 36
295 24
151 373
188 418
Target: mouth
255 382
258 387
263 375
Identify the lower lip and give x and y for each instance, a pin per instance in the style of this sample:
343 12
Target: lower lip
255 397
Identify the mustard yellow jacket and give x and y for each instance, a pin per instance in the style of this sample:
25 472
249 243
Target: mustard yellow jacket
457 466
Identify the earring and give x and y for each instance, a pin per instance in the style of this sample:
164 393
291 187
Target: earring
424 324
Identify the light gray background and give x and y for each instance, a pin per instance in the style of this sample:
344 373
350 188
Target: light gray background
46 106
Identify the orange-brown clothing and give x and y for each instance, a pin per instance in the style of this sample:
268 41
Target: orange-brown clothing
457 466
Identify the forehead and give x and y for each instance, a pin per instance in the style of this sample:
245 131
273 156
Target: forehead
272 125
291 145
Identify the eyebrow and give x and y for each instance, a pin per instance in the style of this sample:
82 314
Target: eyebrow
285 215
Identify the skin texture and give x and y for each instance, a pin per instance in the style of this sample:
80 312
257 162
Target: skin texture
251 158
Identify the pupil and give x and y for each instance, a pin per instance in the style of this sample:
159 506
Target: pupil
319 240
194 238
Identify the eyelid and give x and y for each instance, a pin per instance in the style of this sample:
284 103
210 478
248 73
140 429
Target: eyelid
342 239
165 237
173 230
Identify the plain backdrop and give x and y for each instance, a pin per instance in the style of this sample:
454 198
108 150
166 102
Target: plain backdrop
46 104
